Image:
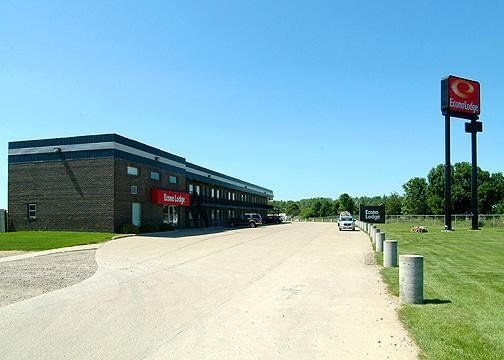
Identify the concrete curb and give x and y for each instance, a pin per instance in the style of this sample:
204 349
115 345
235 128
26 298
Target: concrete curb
33 254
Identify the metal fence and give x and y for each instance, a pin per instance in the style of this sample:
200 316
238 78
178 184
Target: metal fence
460 220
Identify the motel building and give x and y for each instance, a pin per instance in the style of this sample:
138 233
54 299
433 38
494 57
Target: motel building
102 182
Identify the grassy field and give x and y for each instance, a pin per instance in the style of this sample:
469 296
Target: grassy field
463 317
44 240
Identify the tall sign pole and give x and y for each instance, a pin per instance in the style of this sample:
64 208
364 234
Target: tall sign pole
448 220
461 98
474 127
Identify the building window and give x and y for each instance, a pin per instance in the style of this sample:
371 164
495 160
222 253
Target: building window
136 214
191 188
134 190
197 189
234 196
212 193
132 171
32 211
154 175
217 193
173 179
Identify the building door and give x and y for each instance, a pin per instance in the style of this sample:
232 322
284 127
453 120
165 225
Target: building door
136 214
170 214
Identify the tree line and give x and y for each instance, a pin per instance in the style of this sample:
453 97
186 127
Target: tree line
423 196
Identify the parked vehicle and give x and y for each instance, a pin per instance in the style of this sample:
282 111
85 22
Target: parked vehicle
272 219
346 221
252 220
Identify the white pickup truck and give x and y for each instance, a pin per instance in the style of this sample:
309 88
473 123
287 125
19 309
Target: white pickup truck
346 222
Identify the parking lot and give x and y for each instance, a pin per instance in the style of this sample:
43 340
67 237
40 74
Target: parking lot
290 291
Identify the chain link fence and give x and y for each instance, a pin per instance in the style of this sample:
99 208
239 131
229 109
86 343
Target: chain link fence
460 220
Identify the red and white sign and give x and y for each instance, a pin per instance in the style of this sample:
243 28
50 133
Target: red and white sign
167 197
461 95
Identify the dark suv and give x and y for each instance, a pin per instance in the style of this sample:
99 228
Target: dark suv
251 220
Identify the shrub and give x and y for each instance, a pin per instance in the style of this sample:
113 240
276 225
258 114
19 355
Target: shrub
167 227
149 228
129 229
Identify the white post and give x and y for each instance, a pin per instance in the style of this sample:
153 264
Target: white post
411 279
390 253
377 232
380 238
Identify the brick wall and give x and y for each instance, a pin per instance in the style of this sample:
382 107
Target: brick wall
70 195
151 213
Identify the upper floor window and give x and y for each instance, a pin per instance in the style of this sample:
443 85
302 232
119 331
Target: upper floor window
197 189
32 211
154 175
217 194
173 179
191 188
132 170
212 192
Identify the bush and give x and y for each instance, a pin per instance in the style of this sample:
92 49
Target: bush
129 229
149 228
166 227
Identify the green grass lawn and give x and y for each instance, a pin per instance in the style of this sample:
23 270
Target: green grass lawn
44 240
463 317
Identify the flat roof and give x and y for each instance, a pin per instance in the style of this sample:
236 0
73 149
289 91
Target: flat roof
114 145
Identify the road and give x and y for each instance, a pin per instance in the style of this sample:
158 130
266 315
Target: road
291 291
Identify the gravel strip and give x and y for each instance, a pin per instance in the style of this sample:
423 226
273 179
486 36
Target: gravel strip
24 279
11 253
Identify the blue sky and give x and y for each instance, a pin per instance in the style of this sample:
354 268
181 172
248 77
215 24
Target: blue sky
308 98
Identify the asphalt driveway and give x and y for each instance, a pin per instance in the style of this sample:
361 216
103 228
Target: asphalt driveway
292 291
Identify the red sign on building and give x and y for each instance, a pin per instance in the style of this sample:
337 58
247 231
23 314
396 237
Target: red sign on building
460 97
167 197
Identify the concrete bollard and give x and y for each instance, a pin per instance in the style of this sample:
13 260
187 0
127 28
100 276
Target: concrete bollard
380 238
390 253
411 279
376 233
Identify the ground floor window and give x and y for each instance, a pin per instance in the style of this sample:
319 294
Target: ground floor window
32 211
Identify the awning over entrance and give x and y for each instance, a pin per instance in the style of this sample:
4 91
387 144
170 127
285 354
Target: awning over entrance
167 197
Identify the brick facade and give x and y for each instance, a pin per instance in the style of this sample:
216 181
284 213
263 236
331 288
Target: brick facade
70 195
82 183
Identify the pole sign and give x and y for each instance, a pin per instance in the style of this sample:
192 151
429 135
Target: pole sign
372 214
460 97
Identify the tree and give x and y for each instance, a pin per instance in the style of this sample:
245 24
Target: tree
415 196
393 204
435 189
292 209
346 203
326 209
307 212
461 188
316 208
336 207
490 193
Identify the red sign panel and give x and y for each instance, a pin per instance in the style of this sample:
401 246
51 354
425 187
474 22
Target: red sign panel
167 197
460 96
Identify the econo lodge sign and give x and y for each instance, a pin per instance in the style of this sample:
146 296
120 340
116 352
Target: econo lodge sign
460 97
167 197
